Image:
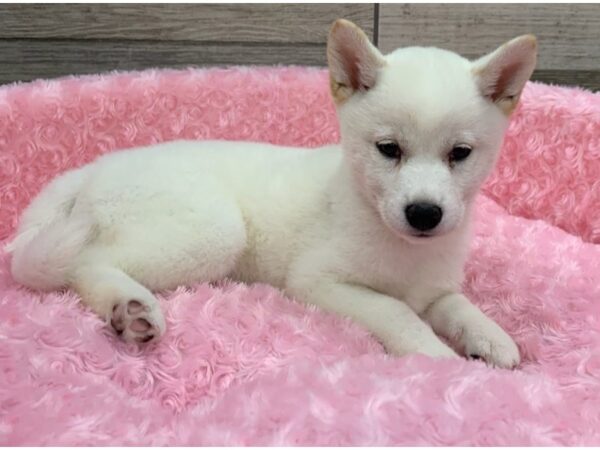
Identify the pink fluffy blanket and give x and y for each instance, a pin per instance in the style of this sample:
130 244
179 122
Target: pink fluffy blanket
243 365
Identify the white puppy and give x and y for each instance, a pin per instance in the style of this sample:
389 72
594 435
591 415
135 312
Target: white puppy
375 229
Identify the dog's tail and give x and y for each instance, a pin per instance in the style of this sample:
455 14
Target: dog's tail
50 236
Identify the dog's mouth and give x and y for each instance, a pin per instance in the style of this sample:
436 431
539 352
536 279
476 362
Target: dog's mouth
422 235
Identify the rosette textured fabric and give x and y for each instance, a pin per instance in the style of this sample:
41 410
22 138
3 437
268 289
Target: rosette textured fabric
244 365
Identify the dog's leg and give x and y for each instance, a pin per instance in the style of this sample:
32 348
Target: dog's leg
478 336
115 274
128 306
392 321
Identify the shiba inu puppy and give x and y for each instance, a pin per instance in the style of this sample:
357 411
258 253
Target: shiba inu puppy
375 229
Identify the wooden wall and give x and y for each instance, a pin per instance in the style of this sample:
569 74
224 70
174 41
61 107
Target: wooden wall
50 40
568 34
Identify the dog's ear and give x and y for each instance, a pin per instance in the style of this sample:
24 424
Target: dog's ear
353 60
502 74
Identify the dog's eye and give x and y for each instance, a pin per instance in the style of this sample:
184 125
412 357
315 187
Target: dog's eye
459 153
389 149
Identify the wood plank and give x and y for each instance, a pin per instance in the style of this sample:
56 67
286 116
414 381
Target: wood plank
264 23
582 78
39 59
568 34
32 59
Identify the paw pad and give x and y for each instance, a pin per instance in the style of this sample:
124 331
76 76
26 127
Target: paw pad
137 320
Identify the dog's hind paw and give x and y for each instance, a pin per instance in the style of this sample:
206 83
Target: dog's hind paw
138 320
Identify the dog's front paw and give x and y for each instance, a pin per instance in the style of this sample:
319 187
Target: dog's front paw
439 351
491 344
435 349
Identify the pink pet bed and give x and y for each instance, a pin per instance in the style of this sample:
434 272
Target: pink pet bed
243 365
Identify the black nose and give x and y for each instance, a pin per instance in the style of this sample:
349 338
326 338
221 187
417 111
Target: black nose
423 216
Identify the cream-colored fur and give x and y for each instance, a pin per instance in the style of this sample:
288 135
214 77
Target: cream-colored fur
327 226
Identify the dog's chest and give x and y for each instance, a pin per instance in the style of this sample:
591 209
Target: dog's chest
416 275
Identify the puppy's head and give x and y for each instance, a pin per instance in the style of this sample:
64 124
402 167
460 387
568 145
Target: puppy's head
422 127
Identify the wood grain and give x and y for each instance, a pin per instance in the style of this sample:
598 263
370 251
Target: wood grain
588 79
272 23
568 34
50 40
43 59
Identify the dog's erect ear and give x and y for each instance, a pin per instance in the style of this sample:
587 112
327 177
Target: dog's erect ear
353 60
502 74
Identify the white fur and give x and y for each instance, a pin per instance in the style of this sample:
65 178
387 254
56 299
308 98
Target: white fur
327 226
